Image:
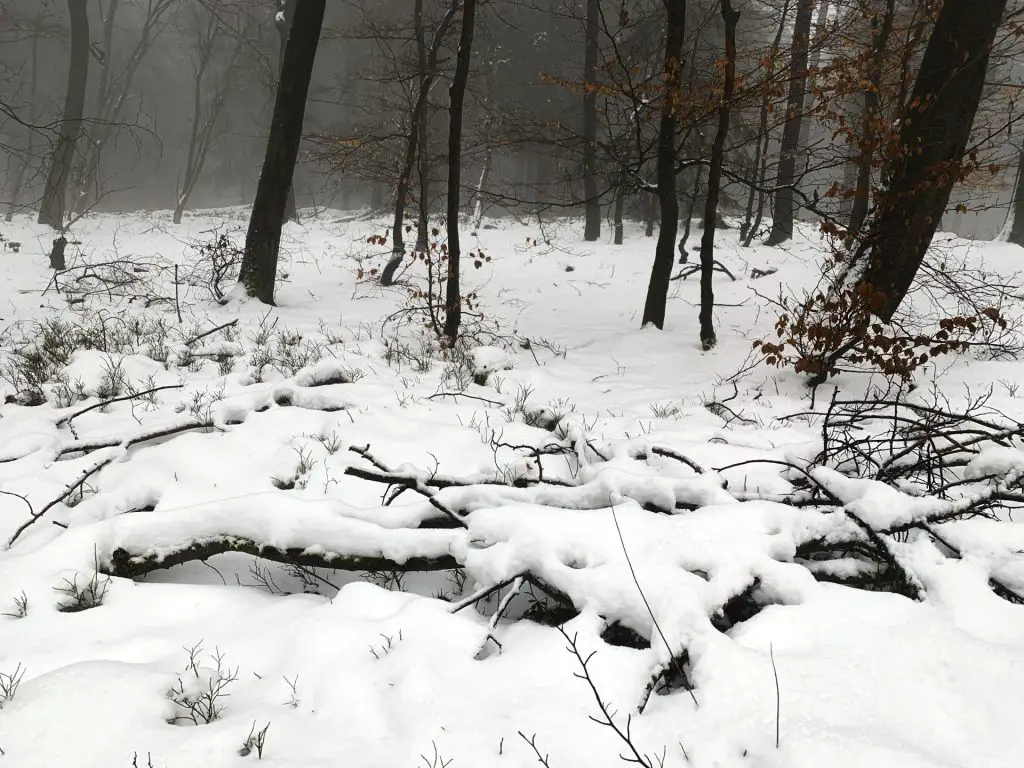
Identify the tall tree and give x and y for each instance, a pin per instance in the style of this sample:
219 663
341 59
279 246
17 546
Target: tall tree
415 137
752 218
665 250
283 23
592 201
51 212
209 96
30 130
262 241
457 98
933 138
785 208
867 146
730 17
114 92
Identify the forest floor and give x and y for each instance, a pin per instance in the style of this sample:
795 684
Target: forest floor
247 437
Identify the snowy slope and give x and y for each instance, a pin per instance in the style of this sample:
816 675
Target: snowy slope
255 436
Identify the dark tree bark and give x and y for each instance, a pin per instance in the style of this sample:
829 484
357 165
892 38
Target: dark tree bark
813 64
592 228
259 265
423 155
51 212
413 148
932 142
283 23
785 208
881 31
665 251
707 240
754 213
1013 229
456 98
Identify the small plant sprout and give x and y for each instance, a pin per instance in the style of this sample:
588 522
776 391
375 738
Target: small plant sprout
437 760
387 646
293 691
20 610
255 741
9 682
85 595
201 689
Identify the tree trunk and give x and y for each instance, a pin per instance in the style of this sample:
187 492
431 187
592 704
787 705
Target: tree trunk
664 254
691 207
423 155
283 23
784 209
592 228
413 150
752 219
620 203
707 240
869 132
481 184
1013 228
51 211
456 98
932 142
259 265
813 64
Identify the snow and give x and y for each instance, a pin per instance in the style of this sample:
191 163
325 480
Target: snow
265 437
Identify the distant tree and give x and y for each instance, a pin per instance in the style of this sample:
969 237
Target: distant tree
210 90
115 81
262 241
416 135
707 242
755 210
51 211
785 207
23 161
457 97
665 250
591 196
872 114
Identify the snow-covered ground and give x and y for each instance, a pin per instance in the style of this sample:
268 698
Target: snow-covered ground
250 437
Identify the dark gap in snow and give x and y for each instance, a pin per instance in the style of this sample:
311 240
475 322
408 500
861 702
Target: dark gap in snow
676 677
334 377
623 637
739 608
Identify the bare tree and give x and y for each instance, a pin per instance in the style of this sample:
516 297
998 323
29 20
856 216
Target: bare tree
785 208
457 96
51 212
665 250
283 24
259 265
592 201
209 94
754 213
113 93
707 241
415 139
22 167
881 31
